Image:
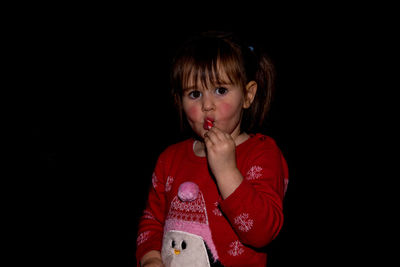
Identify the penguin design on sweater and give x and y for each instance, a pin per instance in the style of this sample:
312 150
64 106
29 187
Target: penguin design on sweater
187 237
185 249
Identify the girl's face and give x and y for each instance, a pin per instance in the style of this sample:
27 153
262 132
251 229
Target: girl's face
221 104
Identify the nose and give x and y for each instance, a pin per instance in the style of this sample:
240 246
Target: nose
207 103
177 251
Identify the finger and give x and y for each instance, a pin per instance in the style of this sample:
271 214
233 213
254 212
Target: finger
228 136
219 133
208 138
214 136
222 134
207 141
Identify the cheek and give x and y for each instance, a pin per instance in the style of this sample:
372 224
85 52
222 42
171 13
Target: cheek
226 110
192 112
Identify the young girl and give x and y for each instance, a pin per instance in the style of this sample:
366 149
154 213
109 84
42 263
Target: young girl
216 198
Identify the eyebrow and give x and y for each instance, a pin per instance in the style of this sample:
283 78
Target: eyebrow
189 88
194 86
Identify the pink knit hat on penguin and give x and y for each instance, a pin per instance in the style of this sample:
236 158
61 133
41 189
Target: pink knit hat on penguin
188 213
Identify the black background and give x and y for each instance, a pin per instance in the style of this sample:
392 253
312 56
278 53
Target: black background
95 81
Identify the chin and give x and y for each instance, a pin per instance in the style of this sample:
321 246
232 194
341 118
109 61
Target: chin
199 132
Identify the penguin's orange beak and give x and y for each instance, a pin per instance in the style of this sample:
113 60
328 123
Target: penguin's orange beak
177 251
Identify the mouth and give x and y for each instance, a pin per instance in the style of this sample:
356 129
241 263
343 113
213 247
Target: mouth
208 123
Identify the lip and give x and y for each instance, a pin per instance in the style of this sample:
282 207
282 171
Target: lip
208 123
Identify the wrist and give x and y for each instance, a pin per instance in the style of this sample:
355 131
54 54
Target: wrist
152 262
228 181
231 173
152 258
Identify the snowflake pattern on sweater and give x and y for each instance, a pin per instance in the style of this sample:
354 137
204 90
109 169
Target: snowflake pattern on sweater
148 215
236 248
255 172
168 184
142 238
154 180
244 222
216 210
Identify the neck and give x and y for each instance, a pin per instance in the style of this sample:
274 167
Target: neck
241 138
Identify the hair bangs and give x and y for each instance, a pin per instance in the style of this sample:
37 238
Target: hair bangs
208 74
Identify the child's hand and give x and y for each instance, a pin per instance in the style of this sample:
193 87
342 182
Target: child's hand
154 262
152 259
220 148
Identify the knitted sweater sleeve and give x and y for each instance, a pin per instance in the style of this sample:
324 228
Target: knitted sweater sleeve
150 228
254 209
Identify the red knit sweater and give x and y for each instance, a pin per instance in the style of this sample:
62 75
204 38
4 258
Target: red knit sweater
250 218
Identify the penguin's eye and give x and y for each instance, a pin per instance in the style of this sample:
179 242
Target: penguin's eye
173 243
183 245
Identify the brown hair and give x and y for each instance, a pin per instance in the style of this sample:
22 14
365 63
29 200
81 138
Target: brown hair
199 57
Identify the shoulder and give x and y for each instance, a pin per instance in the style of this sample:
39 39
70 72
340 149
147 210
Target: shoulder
262 150
261 142
260 146
176 148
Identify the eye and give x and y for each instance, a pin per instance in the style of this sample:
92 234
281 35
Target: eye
183 245
194 94
221 91
173 243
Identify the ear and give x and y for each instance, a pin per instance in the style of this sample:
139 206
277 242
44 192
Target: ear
251 90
